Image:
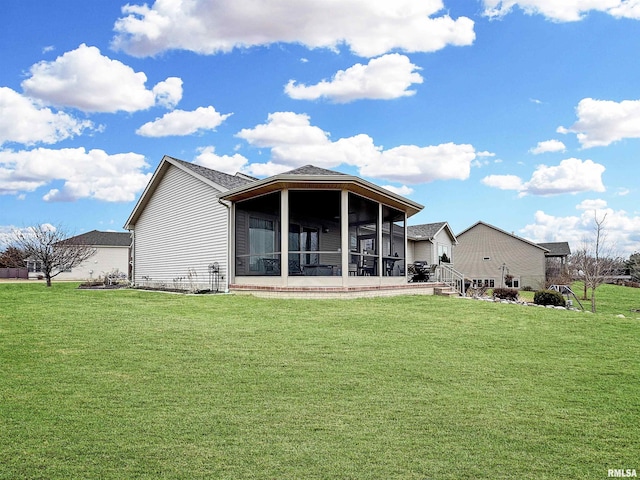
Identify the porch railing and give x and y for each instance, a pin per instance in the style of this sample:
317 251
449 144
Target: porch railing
445 273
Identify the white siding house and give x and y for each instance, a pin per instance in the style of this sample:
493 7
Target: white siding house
429 241
180 228
309 229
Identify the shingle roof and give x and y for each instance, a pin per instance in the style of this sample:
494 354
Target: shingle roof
221 178
103 239
425 231
311 170
556 249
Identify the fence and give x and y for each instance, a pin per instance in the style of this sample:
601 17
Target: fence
14 273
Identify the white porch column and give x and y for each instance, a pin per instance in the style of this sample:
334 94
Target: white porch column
344 234
284 236
379 240
406 247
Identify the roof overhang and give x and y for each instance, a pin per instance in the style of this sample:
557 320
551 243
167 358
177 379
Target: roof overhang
323 182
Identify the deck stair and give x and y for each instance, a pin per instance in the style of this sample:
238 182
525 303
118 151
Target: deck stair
446 291
447 275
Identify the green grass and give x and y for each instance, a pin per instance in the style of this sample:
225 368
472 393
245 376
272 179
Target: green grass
131 384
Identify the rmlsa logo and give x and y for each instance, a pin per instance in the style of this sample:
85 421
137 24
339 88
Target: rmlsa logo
622 473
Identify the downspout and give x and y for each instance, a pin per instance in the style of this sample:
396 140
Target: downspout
229 259
132 253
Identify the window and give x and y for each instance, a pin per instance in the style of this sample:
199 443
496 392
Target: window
363 225
315 236
257 223
262 240
393 253
443 253
34 266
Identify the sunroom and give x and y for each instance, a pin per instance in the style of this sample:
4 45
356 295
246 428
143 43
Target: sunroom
316 228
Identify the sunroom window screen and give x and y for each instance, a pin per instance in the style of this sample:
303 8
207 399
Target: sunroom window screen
262 239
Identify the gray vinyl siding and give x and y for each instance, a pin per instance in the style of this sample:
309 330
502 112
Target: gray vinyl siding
182 230
443 238
482 250
423 251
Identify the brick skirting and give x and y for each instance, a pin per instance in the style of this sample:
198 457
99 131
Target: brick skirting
335 292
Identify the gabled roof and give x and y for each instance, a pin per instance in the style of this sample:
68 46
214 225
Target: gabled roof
503 232
557 249
312 170
428 231
97 238
220 178
310 177
220 181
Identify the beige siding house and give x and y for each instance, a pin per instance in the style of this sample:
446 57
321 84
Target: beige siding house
485 255
112 255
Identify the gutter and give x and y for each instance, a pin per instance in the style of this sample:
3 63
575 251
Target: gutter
227 205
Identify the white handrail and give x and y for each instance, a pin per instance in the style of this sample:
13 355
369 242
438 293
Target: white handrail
445 273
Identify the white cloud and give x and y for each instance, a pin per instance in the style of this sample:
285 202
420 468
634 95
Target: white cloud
570 176
383 78
223 163
93 174
85 79
24 122
414 164
548 146
168 93
266 169
294 142
602 122
503 182
181 122
564 10
403 190
621 228
368 28
485 154
592 204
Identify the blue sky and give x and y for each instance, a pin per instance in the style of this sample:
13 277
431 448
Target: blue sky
521 113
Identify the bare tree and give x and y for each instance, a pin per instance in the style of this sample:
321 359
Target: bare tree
595 261
53 247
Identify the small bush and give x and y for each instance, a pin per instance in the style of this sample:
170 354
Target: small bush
527 288
506 293
549 297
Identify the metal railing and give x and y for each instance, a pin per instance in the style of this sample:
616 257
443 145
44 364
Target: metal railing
448 275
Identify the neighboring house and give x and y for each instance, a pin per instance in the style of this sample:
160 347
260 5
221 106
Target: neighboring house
557 255
429 241
485 255
112 254
306 228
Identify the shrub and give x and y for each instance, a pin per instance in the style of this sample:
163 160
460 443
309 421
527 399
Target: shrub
506 293
549 297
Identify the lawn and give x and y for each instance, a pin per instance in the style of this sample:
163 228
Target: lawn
132 384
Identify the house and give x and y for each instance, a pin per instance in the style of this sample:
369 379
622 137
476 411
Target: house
112 254
557 255
487 254
430 241
309 229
